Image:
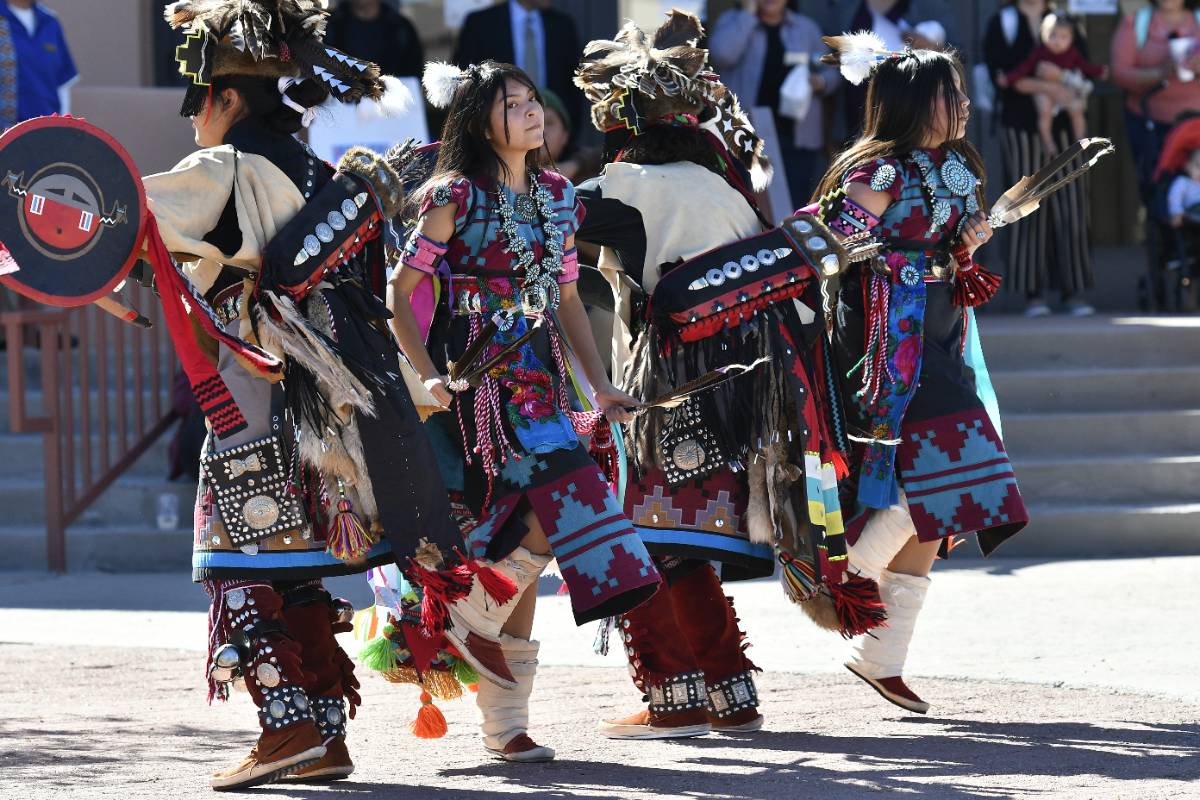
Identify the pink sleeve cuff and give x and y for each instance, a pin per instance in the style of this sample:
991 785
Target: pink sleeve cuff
570 266
423 253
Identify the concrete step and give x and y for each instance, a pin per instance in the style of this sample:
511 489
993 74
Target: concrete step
1091 389
130 501
134 548
22 455
1016 342
1132 479
1083 433
1108 530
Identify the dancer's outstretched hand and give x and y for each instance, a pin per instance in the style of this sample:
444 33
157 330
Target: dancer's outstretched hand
616 404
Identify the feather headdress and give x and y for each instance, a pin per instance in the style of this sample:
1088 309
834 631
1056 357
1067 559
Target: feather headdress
441 81
268 38
635 79
856 55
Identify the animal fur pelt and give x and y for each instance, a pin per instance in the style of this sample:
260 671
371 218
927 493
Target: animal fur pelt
332 444
375 170
773 480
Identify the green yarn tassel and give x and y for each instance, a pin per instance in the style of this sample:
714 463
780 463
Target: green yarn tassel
380 654
464 672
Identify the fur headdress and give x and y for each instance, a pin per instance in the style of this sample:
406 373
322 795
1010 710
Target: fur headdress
635 80
267 38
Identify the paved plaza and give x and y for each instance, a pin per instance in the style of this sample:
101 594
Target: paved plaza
1048 680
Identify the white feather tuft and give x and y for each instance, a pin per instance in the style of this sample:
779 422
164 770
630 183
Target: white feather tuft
761 173
440 81
859 54
397 98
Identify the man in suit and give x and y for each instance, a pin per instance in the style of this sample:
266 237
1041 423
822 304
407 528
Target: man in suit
374 31
532 35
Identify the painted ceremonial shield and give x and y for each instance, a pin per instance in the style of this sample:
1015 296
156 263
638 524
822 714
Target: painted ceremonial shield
72 211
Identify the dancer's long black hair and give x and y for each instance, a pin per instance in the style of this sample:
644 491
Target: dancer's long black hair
902 97
465 151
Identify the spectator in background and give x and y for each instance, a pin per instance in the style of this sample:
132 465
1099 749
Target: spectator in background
1059 56
755 48
376 32
36 73
1155 59
1051 249
921 23
44 70
574 163
532 35
1156 92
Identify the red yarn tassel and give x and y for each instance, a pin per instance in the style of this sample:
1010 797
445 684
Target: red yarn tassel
438 591
498 586
603 450
441 588
839 465
975 285
858 605
430 722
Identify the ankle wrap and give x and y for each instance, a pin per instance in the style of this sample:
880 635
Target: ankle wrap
733 694
678 693
284 706
330 715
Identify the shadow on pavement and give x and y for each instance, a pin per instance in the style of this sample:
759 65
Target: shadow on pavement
943 754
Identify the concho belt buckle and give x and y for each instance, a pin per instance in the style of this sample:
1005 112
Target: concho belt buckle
250 484
688 449
943 272
534 301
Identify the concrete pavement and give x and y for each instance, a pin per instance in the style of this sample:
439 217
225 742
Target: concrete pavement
1066 679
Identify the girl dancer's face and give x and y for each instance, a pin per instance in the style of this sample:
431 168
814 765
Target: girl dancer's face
518 121
943 129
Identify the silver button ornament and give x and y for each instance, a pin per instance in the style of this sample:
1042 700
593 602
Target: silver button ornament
267 675
941 213
957 177
883 177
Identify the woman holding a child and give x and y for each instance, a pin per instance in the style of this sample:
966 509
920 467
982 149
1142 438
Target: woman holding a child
1050 251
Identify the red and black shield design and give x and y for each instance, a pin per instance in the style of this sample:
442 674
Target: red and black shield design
72 211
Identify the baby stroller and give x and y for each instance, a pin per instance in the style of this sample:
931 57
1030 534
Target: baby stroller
1172 275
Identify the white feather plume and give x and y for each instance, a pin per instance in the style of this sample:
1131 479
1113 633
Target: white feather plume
761 173
440 81
858 55
396 100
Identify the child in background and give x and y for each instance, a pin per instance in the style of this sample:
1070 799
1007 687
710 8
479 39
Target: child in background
1061 74
1183 214
1183 195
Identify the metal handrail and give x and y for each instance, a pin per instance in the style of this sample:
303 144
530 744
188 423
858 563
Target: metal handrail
84 351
